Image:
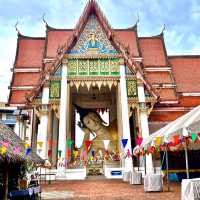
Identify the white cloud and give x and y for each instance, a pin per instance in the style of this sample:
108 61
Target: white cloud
7 56
195 10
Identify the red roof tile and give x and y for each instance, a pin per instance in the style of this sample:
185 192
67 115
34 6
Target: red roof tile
129 39
189 101
159 77
164 116
29 52
167 94
26 79
55 39
153 51
18 96
186 70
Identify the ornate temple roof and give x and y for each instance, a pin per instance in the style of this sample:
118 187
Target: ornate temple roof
167 75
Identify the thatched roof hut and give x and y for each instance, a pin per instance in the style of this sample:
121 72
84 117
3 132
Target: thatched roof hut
12 150
15 147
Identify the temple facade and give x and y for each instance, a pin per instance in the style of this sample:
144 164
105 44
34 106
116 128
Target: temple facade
91 69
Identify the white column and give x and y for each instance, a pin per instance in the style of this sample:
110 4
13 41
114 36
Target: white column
16 128
63 122
144 123
43 130
128 163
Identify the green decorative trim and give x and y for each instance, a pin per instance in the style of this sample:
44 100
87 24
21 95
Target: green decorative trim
94 67
83 67
131 85
72 67
114 66
55 89
104 67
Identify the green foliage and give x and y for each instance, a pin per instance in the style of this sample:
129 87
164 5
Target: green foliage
16 171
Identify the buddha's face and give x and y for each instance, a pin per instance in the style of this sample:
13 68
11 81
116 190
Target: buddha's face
92 122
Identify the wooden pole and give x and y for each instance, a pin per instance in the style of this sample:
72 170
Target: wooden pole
5 180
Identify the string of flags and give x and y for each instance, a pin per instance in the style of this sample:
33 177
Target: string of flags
161 143
88 145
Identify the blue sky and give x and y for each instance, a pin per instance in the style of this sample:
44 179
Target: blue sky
181 17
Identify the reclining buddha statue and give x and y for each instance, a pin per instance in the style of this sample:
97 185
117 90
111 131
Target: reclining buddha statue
92 123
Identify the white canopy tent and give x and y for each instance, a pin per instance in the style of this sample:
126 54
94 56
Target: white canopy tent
183 126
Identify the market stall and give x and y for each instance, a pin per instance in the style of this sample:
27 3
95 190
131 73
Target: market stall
16 159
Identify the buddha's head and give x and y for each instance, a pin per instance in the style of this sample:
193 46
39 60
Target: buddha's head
90 119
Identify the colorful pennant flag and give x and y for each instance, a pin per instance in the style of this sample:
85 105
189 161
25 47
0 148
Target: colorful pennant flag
124 142
16 150
139 140
40 143
106 143
75 154
50 142
93 154
59 153
88 144
28 151
26 145
68 153
49 153
128 153
39 151
3 150
69 142
176 139
6 144
158 141
194 137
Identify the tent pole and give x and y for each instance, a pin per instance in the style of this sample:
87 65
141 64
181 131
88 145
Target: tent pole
167 168
186 159
145 167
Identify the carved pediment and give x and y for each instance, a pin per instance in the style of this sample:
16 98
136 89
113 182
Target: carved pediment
93 40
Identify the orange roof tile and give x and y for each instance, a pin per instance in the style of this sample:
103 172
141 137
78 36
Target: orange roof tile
26 79
164 116
29 52
56 38
167 94
186 70
159 77
18 96
129 39
189 101
153 51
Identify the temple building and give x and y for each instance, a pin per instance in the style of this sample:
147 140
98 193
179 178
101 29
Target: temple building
95 68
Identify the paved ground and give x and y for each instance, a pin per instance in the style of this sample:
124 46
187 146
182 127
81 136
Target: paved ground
105 190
